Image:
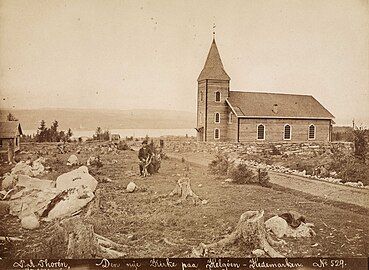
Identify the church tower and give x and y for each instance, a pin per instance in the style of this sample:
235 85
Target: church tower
213 89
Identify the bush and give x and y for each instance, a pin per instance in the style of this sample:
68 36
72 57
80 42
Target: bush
263 178
220 165
350 168
122 145
241 174
361 143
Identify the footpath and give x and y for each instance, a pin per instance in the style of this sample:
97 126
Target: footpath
326 190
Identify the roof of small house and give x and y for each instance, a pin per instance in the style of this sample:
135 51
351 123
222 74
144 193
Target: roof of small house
10 129
213 68
273 105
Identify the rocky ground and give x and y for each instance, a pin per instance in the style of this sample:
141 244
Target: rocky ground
151 224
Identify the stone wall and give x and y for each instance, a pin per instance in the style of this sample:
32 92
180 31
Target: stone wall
299 149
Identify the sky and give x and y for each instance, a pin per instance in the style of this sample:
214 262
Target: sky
148 54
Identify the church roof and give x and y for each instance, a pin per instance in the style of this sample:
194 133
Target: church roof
273 105
10 129
213 68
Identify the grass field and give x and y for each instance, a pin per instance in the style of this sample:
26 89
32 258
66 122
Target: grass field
143 219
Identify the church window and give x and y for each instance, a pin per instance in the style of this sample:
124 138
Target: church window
217 96
230 115
216 134
287 132
311 134
261 132
201 96
217 118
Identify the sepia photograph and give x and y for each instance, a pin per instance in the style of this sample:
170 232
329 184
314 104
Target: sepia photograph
142 134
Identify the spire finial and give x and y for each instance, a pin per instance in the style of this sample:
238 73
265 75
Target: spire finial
214 30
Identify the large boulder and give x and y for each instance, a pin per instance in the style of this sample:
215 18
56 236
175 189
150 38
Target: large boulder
68 202
34 183
22 168
30 222
76 178
277 225
9 181
37 167
72 160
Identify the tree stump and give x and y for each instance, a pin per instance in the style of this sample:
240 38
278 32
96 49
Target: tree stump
251 230
183 189
73 239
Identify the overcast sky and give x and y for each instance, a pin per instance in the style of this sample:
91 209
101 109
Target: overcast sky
148 54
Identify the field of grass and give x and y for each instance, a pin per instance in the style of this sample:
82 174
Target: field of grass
143 219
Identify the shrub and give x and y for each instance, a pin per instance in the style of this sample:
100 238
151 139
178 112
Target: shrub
275 151
350 168
241 174
263 178
361 143
220 165
122 145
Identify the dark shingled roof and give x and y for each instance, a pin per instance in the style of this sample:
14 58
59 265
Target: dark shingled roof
272 105
213 68
10 129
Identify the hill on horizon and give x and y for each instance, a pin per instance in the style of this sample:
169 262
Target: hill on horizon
90 119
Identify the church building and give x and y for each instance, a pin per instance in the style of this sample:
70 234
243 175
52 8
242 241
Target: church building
237 116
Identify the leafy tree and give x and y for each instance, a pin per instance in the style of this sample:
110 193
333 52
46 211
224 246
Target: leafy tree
54 135
361 143
69 133
98 134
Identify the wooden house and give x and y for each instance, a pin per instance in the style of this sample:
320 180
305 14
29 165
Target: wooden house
10 132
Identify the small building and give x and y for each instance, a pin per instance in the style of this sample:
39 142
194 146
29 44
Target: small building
240 116
10 132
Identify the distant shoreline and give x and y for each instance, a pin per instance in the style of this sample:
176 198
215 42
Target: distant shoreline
136 132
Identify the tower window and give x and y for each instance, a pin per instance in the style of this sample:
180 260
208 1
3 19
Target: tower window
216 134
311 134
217 118
230 115
287 132
217 96
201 96
261 132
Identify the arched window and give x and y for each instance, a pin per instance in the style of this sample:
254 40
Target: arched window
230 115
217 118
217 96
311 134
216 134
287 132
261 132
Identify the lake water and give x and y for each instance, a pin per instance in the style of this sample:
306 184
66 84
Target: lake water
131 132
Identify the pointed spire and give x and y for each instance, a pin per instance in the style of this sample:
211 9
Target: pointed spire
213 68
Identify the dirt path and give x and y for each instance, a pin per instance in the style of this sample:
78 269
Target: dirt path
318 188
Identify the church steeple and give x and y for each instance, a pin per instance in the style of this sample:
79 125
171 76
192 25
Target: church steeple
213 68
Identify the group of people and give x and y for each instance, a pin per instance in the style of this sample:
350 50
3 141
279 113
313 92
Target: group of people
149 159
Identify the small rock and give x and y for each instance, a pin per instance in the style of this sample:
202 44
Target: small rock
229 180
30 222
258 252
203 202
199 185
131 187
9 182
72 160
